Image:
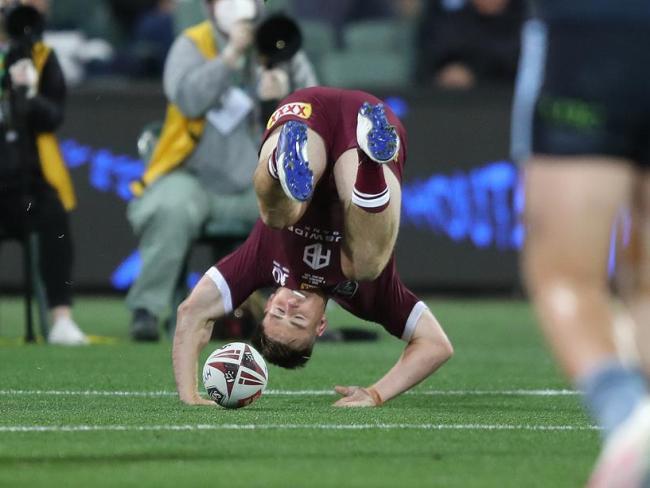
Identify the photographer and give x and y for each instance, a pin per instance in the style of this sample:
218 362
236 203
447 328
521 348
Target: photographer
35 188
201 170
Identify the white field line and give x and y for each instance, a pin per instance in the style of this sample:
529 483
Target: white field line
212 427
108 393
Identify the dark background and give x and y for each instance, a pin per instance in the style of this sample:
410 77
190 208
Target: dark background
448 134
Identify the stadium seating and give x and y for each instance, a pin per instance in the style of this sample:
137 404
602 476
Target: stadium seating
318 41
375 56
93 18
188 13
378 35
351 69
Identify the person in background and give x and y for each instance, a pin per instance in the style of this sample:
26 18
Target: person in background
461 42
36 191
202 167
150 38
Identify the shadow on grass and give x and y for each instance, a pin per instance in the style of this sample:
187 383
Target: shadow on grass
138 457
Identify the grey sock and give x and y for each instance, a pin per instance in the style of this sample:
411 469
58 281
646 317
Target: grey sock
611 392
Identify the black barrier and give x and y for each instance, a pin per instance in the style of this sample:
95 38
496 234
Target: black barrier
459 227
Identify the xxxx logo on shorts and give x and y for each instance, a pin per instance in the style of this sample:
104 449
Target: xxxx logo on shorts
298 109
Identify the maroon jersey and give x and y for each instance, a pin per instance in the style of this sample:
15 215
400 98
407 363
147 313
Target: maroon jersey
307 255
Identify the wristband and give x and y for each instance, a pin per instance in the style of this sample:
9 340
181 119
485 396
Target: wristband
376 397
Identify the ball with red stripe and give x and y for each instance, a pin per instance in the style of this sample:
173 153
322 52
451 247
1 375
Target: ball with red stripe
235 375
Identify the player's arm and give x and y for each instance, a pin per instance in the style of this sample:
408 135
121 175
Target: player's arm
427 350
196 316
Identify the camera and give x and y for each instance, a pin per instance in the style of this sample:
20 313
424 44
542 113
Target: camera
277 39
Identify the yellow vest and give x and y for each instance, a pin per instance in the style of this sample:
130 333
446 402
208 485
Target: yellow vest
180 134
52 163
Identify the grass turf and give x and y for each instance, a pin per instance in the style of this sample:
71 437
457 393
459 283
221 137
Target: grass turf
497 348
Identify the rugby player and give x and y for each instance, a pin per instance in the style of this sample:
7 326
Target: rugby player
328 188
582 122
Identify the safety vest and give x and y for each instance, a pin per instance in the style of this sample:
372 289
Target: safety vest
50 157
180 134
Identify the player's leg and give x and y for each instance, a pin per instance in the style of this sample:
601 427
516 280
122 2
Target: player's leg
369 236
371 197
635 289
572 204
624 458
292 161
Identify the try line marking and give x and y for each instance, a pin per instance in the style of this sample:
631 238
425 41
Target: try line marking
211 427
108 393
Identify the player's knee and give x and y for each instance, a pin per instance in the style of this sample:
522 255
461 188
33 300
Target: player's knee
281 219
274 221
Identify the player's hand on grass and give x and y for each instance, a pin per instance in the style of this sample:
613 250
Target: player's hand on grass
197 400
355 396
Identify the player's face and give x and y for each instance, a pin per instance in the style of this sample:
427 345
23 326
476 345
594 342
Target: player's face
294 317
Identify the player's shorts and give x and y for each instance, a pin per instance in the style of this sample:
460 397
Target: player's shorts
332 114
584 89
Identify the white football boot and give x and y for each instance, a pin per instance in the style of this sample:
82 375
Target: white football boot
624 461
375 136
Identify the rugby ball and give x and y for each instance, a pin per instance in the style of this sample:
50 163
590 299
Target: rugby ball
235 375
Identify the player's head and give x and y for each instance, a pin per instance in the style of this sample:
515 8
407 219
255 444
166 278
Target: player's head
292 322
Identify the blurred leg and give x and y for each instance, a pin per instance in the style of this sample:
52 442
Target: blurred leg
167 218
571 207
635 290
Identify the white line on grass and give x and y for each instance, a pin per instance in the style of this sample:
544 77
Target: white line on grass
202 427
108 393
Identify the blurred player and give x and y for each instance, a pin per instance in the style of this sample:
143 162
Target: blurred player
582 119
328 186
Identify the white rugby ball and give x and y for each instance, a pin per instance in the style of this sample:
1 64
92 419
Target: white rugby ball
235 375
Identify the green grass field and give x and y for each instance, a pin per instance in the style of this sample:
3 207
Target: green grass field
479 422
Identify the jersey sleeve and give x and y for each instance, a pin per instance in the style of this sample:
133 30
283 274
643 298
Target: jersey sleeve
239 274
388 302
400 309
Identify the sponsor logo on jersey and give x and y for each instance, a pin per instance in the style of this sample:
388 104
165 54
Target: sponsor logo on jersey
315 234
307 286
280 273
346 289
315 258
298 109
